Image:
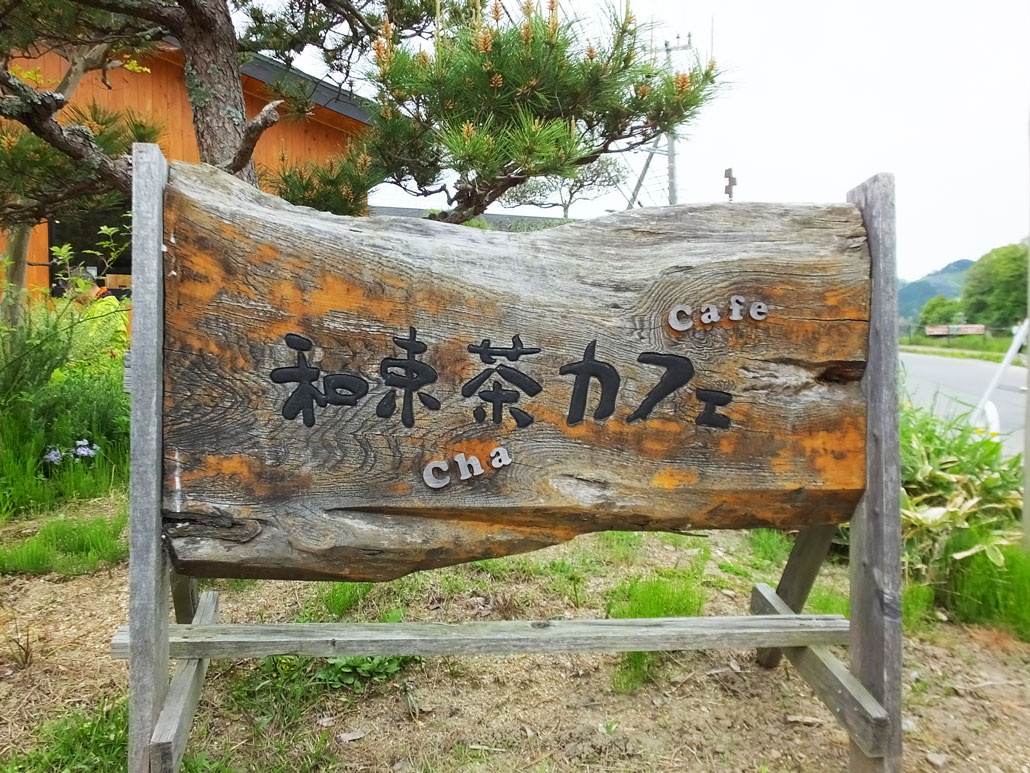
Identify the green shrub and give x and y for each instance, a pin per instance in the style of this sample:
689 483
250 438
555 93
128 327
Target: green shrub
956 481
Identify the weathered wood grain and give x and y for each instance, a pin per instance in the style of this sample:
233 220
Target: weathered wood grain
172 730
875 540
249 493
148 565
799 575
497 638
858 712
185 597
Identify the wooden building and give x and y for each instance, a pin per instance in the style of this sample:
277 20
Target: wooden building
160 96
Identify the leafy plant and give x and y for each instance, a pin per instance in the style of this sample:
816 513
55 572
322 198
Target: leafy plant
357 673
954 480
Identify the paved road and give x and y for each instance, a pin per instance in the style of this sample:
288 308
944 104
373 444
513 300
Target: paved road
953 386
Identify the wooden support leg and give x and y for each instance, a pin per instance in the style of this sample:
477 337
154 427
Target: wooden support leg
184 597
876 528
859 712
172 730
806 558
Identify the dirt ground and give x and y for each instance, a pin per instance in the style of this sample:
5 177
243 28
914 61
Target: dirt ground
967 690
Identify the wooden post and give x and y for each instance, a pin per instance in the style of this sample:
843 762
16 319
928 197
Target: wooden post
148 569
185 597
876 527
806 558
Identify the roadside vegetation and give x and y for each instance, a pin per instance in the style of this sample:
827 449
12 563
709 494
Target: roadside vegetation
64 418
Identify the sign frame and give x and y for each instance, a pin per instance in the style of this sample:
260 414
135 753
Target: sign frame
865 698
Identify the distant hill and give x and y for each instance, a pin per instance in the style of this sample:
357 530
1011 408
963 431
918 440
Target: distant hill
947 282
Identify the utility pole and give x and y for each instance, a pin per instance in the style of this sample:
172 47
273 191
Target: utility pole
671 136
1026 447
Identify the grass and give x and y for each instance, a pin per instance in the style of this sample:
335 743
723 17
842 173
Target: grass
769 546
87 405
84 741
341 597
734 569
68 546
981 591
673 593
622 547
916 608
957 354
824 600
973 343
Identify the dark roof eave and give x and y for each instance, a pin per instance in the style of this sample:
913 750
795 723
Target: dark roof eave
268 70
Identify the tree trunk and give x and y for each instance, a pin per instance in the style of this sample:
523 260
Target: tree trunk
214 87
17 259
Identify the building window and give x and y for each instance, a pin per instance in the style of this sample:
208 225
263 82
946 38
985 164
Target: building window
81 231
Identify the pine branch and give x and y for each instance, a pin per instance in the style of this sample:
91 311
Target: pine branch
170 17
35 110
252 132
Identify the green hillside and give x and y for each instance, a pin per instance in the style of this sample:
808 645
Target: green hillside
947 282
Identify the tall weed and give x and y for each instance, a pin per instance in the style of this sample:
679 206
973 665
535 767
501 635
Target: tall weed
956 481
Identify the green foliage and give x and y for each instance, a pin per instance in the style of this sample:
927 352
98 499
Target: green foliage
995 289
505 99
64 418
940 310
672 593
980 590
358 672
340 185
37 181
67 440
68 546
954 479
769 546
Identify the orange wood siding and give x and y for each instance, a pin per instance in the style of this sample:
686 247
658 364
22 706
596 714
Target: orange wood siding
160 97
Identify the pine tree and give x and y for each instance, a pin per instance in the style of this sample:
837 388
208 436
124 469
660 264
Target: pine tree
502 100
587 183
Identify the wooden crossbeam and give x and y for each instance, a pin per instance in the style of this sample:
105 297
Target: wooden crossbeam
855 708
497 638
168 744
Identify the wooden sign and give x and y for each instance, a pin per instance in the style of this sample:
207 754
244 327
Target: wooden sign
358 398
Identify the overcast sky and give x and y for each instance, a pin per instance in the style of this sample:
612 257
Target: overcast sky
820 95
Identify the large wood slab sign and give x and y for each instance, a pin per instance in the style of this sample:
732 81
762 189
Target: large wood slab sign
358 398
